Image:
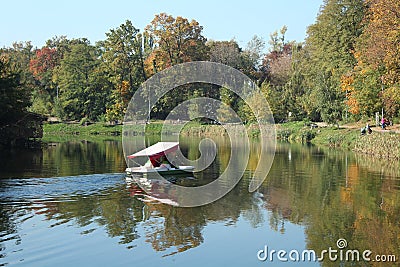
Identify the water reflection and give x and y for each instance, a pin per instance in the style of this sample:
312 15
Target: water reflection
75 157
331 194
336 195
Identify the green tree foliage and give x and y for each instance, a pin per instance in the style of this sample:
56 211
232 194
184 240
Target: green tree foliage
282 78
19 56
125 51
42 66
228 53
14 98
80 81
329 47
229 101
16 124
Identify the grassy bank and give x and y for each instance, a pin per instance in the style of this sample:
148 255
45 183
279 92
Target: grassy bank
385 145
378 144
154 128
62 129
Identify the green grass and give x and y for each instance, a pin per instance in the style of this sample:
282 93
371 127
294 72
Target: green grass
297 131
302 132
102 129
334 137
154 128
77 129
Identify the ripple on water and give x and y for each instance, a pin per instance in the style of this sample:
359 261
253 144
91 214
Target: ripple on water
27 190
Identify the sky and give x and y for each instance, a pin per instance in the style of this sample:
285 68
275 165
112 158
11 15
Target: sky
40 20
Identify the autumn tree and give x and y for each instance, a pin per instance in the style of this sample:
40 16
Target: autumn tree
19 56
329 47
281 77
177 40
42 66
378 58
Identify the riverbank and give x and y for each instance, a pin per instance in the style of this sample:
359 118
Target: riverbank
383 144
154 128
62 129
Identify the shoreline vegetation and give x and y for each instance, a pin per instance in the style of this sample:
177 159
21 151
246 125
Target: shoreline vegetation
381 144
346 69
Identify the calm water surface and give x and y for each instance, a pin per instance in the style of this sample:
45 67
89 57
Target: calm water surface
68 204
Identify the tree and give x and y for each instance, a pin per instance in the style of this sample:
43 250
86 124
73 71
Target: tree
377 51
282 79
15 122
254 50
82 92
125 51
277 42
124 54
228 53
14 98
45 60
379 44
225 52
329 47
42 66
177 40
19 56
252 59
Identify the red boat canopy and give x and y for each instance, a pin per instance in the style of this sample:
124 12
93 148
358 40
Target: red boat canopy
156 151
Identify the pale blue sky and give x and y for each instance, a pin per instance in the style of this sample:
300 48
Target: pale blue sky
40 20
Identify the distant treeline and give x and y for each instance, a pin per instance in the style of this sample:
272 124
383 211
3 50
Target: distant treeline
347 67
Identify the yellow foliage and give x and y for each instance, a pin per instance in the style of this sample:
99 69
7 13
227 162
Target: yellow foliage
346 84
379 44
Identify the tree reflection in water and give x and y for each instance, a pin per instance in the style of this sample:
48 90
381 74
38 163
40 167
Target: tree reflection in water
333 194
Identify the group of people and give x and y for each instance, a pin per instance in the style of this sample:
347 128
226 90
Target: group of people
367 129
384 122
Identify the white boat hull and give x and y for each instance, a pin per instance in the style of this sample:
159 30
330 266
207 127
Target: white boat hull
161 170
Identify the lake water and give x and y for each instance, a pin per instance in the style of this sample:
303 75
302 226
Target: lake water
69 204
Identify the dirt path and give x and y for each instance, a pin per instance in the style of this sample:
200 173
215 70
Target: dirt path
358 125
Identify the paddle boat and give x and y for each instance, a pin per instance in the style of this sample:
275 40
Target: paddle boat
157 162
